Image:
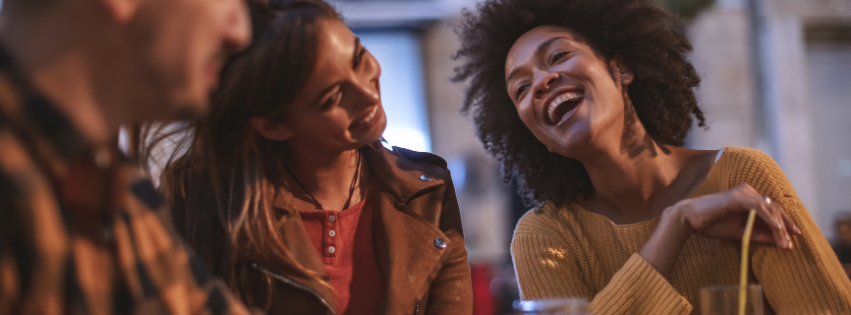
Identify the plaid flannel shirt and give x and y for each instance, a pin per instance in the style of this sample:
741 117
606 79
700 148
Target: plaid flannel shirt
81 231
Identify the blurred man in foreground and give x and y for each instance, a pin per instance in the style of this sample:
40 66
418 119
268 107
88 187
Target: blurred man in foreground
79 230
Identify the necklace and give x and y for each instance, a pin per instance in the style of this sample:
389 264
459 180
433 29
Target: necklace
351 187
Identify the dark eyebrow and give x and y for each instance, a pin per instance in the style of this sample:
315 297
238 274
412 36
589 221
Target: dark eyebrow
546 45
355 56
512 74
540 51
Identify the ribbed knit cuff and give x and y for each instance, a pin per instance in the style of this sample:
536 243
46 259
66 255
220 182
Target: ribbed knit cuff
637 288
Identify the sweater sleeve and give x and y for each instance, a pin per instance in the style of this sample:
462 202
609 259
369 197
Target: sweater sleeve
546 268
809 279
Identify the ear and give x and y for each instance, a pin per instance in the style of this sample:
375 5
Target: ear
269 129
122 11
620 71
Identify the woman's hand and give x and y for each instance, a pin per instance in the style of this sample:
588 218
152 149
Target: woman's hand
721 216
724 215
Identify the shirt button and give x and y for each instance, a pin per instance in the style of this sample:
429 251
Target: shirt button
332 218
331 249
439 243
425 178
332 233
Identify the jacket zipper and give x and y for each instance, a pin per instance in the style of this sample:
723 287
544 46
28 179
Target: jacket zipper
297 285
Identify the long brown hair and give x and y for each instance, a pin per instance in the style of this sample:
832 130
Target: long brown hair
220 190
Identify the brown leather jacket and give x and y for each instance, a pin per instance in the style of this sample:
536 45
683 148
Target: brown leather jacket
416 214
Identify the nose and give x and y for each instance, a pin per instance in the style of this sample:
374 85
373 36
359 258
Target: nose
366 88
545 83
237 27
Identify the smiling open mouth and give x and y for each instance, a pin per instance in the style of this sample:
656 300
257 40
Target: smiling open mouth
366 119
562 105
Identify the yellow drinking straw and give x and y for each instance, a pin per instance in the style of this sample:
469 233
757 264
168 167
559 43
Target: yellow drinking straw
743 279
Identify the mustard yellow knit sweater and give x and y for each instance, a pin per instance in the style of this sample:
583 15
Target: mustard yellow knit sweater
572 252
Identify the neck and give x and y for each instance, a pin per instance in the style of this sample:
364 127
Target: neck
328 176
636 179
55 55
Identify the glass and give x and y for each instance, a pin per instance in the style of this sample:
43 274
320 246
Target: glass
552 307
724 300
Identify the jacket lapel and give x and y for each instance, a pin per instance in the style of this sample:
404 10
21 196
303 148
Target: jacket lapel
404 238
301 247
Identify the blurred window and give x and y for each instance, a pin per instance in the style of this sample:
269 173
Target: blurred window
828 57
402 86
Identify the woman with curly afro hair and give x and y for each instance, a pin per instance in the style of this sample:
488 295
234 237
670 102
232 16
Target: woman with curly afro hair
586 103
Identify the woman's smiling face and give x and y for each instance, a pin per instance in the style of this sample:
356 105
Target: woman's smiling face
339 108
340 104
568 95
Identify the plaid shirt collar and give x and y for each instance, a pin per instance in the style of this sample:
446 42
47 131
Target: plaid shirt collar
83 173
52 135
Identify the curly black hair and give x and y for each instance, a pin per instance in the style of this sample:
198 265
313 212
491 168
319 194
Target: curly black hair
638 31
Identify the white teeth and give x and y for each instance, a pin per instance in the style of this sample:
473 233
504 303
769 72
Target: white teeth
569 96
369 117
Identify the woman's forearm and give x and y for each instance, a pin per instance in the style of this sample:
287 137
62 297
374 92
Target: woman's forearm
666 242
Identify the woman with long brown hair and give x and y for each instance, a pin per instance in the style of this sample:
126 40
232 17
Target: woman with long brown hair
286 191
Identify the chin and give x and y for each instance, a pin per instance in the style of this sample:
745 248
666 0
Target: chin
169 111
573 143
186 111
191 105
183 103
189 112
376 133
368 135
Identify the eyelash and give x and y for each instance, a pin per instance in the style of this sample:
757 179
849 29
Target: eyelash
359 58
520 90
559 56
330 101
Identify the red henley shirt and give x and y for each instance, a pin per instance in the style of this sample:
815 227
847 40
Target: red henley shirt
344 239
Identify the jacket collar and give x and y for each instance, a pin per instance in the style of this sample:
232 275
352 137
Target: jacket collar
403 178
